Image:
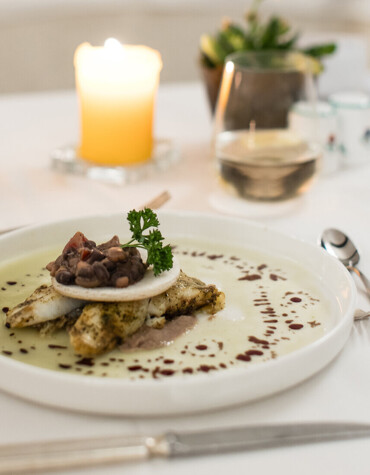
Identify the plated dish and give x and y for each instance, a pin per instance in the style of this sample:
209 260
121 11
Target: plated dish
288 312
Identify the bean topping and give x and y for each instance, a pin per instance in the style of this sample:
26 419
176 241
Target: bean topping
88 265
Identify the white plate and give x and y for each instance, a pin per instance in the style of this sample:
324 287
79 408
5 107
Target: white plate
196 392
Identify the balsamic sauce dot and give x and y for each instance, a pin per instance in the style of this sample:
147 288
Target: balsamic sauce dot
205 368
64 366
188 370
86 362
201 347
254 352
167 372
134 368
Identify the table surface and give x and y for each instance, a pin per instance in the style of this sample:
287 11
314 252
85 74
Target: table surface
30 192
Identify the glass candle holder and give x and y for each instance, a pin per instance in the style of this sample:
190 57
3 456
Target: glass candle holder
258 156
116 88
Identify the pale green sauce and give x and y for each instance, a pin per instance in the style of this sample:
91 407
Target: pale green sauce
252 306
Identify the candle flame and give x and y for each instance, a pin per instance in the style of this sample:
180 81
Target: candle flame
112 44
229 67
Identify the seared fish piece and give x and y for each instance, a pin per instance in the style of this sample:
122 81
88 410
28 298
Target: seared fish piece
43 305
104 325
65 322
185 296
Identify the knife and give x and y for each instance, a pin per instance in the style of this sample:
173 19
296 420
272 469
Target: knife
36 457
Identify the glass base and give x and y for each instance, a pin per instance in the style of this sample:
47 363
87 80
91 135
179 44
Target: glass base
229 204
165 154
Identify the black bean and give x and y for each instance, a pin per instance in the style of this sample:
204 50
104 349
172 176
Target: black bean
72 263
136 271
116 254
110 266
101 273
58 261
122 282
120 272
64 276
71 251
90 244
84 270
96 255
114 242
132 251
87 282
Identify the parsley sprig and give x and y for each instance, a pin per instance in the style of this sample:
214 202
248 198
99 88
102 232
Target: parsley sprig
159 256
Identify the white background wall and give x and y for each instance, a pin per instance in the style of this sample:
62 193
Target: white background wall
38 37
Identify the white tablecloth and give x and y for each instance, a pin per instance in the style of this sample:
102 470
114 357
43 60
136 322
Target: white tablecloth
32 125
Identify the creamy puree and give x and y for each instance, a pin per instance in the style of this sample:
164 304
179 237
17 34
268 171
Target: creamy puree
273 307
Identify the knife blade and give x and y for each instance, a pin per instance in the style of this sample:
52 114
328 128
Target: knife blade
37 457
261 436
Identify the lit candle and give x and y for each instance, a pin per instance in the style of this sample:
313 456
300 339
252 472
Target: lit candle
116 86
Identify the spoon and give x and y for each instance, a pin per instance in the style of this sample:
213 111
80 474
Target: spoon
340 246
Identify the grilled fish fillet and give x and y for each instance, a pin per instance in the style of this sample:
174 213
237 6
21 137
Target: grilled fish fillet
104 325
65 322
43 305
185 296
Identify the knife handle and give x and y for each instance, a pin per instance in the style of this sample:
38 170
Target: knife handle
37 457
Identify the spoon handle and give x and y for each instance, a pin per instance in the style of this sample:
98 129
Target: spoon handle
363 278
360 315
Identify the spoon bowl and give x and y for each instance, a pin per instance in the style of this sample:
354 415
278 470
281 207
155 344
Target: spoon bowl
339 245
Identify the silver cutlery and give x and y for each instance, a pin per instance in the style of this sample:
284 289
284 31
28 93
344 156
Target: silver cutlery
340 246
361 315
46 456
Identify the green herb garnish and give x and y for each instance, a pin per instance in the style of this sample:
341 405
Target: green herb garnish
159 257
